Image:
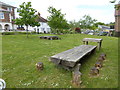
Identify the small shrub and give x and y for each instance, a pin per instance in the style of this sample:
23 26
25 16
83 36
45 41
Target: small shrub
8 33
15 33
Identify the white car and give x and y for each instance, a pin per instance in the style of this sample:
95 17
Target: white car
90 34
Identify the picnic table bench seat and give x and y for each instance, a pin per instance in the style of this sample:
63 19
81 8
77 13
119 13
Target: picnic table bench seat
98 40
71 57
50 37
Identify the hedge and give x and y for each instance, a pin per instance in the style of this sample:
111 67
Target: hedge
14 33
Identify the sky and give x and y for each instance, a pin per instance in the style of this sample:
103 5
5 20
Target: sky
101 10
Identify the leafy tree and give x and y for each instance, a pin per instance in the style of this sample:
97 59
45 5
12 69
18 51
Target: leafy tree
99 23
117 7
73 24
27 16
87 22
56 20
112 23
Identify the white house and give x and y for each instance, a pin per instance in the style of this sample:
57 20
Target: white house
43 28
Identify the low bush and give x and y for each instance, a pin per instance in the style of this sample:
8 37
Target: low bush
8 33
14 33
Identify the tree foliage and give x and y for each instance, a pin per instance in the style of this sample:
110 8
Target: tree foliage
27 16
56 20
117 6
73 24
99 23
87 22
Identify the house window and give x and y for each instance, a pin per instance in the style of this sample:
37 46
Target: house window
9 9
42 29
12 17
1 15
48 29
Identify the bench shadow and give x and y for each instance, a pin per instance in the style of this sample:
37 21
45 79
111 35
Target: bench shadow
86 58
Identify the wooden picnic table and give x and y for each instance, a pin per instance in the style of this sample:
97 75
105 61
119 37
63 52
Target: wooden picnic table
68 59
50 37
99 41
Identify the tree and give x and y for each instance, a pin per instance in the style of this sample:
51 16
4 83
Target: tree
116 6
99 23
113 1
73 24
27 16
56 20
87 22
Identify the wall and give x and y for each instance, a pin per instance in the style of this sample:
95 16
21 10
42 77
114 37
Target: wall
43 27
117 22
3 25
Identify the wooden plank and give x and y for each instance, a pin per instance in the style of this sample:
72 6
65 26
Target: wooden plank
49 37
92 39
72 56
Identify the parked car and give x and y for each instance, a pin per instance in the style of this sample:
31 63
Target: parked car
90 33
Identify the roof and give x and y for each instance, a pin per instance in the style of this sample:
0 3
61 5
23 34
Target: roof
103 27
4 4
41 19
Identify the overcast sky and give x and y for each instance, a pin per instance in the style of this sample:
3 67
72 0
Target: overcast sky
101 10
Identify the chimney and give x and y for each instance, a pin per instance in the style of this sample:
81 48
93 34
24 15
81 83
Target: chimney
38 14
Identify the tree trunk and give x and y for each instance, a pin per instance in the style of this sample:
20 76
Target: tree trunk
27 31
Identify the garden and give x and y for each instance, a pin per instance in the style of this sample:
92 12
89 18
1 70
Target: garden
20 54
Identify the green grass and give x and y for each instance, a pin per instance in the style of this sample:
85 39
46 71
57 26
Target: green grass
20 54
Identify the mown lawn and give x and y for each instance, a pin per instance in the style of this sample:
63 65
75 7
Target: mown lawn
20 54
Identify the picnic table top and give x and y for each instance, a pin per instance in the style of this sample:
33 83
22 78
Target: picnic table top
93 39
48 36
75 54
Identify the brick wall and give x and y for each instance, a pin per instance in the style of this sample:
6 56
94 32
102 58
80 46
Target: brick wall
6 15
117 20
117 23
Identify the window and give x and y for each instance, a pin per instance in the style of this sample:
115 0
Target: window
12 17
9 9
42 29
1 15
48 29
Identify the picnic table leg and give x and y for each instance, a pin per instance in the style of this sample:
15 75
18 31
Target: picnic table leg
99 45
51 38
86 42
83 42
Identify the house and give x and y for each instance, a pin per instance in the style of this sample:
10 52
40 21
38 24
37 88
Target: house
7 24
117 19
43 28
6 16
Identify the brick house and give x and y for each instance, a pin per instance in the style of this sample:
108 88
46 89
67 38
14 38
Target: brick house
117 20
6 16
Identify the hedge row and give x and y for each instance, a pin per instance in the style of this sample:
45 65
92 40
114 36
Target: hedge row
15 33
